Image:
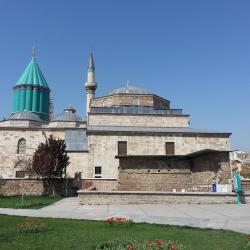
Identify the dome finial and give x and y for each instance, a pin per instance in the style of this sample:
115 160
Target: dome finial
33 52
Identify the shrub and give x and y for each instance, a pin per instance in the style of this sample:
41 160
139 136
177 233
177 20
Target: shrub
119 221
139 245
32 227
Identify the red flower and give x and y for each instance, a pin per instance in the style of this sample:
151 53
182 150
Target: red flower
159 242
109 220
248 237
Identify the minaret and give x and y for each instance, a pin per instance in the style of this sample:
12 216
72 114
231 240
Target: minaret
90 85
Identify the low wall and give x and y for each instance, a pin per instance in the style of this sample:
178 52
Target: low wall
11 187
141 197
99 184
245 184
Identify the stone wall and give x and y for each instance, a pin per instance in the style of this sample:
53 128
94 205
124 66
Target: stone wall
99 184
103 148
79 162
142 100
10 161
126 197
138 120
168 173
139 181
245 184
10 187
211 167
154 174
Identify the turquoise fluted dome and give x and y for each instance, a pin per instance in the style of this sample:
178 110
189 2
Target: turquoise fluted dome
31 92
32 75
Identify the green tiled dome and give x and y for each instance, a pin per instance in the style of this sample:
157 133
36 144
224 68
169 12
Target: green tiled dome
31 92
32 75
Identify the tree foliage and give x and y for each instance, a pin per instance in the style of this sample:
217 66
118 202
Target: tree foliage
49 160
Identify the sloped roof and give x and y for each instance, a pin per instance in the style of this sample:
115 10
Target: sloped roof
24 115
129 89
186 130
67 116
32 75
76 140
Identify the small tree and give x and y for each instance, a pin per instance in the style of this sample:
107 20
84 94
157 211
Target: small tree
49 161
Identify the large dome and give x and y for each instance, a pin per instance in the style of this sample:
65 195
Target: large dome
24 115
128 90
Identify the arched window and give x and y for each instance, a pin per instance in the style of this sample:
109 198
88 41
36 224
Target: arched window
21 146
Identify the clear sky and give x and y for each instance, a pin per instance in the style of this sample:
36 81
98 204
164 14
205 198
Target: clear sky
194 53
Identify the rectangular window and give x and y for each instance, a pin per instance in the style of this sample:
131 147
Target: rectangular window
170 148
98 170
20 174
122 148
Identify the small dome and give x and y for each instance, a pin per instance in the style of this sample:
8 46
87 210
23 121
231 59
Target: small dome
67 115
128 90
25 115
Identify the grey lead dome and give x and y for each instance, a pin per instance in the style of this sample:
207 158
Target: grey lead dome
67 116
128 90
24 115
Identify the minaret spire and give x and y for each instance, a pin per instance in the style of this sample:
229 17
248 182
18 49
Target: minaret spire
91 84
91 63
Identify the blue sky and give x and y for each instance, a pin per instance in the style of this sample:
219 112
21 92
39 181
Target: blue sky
194 53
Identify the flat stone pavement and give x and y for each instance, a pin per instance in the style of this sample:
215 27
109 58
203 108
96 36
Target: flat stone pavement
218 216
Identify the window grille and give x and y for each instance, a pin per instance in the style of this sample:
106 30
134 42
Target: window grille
122 148
170 148
21 147
20 174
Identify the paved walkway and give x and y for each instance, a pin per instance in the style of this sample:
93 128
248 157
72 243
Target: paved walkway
224 216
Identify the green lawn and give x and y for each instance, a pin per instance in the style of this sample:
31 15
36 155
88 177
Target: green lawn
33 202
81 234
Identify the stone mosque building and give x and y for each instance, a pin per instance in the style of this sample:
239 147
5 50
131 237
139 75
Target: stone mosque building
130 139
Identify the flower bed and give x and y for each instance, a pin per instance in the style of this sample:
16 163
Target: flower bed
32 227
119 221
139 245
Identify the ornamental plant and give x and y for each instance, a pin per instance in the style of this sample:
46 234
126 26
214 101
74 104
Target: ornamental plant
139 245
248 242
119 221
49 162
31 226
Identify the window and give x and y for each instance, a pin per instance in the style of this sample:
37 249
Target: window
98 172
136 102
21 146
170 148
122 148
20 174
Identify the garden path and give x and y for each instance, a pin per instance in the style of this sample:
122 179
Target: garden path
218 216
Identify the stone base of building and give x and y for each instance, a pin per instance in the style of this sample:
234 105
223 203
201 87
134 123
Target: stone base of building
12 187
142 197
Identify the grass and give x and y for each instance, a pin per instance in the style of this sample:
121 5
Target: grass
32 202
86 235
